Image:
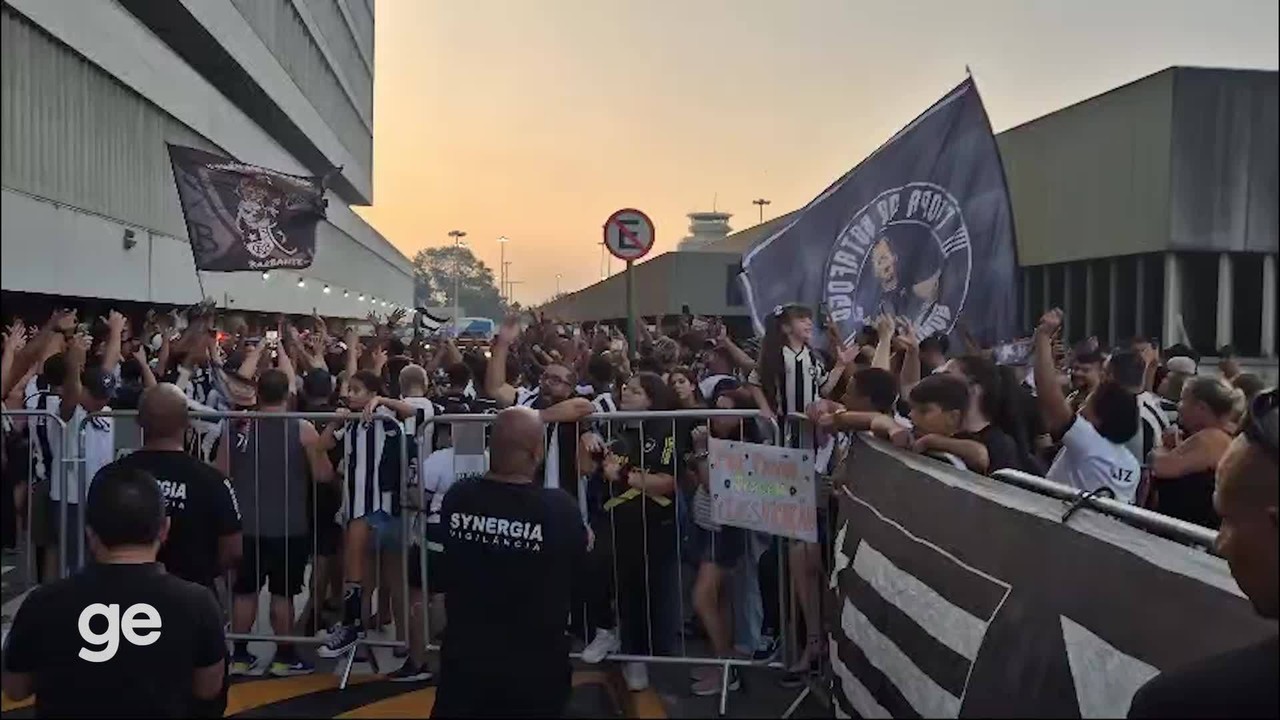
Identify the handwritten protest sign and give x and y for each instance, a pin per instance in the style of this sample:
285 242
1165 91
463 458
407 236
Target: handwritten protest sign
764 488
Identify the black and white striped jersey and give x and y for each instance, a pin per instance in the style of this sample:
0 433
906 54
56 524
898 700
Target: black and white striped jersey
800 385
371 462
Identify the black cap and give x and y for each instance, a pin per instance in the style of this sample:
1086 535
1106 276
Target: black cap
317 383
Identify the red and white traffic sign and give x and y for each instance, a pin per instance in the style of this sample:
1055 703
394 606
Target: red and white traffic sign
628 234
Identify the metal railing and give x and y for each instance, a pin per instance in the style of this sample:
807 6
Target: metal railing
662 600
656 554
1148 520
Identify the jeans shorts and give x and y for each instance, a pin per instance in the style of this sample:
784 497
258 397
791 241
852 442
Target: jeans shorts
388 529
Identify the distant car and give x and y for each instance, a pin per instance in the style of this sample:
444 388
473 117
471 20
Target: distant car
475 332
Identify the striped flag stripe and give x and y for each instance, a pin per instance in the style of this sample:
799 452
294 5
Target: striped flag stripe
950 625
879 686
924 695
945 666
855 693
969 589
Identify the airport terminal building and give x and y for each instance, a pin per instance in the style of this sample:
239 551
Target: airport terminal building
1150 209
93 91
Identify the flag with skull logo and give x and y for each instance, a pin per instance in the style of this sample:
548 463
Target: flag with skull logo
245 217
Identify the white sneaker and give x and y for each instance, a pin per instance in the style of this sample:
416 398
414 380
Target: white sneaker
636 674
605 642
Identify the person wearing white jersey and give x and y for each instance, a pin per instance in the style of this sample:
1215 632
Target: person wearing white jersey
1093 455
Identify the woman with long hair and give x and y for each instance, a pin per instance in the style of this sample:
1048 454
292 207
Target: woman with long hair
1183 470
633 513
684 384
789 375
788 378
992 418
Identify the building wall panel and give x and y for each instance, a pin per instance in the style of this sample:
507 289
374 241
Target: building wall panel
1092 180
341 43
361 14
280 28
59 250
1224 160
72 134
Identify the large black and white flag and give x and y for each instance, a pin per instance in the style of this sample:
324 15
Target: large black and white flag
245 217
921 230
955 595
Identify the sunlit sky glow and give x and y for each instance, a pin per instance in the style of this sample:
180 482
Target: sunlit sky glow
535 119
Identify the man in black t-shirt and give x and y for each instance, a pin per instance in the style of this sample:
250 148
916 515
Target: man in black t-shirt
121 638
511 552
1240 683
204 538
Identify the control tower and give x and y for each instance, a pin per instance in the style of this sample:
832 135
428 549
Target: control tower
707 228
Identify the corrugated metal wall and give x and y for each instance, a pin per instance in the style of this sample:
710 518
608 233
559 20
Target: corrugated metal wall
1225 191
1092 180
72 134
284 33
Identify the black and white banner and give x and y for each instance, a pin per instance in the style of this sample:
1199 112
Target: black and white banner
245 217
426 323
957 595
920 230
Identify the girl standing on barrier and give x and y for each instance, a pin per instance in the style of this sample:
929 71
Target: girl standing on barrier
634 485
790 377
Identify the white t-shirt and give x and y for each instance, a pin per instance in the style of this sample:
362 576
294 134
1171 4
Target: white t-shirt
443 468
1088 461
439 473
426 409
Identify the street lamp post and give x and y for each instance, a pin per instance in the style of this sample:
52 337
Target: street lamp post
506 278
502 267
558 276
457 236
760 203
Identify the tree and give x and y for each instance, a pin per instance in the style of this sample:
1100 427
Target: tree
434 270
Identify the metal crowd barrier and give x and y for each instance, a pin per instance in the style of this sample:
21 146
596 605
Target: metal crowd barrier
1148 520
39 533
376 592
664 602
661 625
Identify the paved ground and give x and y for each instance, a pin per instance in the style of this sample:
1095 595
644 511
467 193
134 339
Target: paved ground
598 692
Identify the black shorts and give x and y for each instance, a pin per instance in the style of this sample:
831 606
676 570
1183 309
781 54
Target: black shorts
433 569
327 501
269 560
724 547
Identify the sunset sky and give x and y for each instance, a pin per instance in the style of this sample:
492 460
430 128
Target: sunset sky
535 119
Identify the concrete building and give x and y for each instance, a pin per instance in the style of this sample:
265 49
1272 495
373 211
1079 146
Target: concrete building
1150 209
92 91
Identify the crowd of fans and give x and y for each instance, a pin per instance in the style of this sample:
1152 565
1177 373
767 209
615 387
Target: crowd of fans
1137 422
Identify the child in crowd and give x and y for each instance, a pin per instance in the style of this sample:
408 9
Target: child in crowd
371 498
